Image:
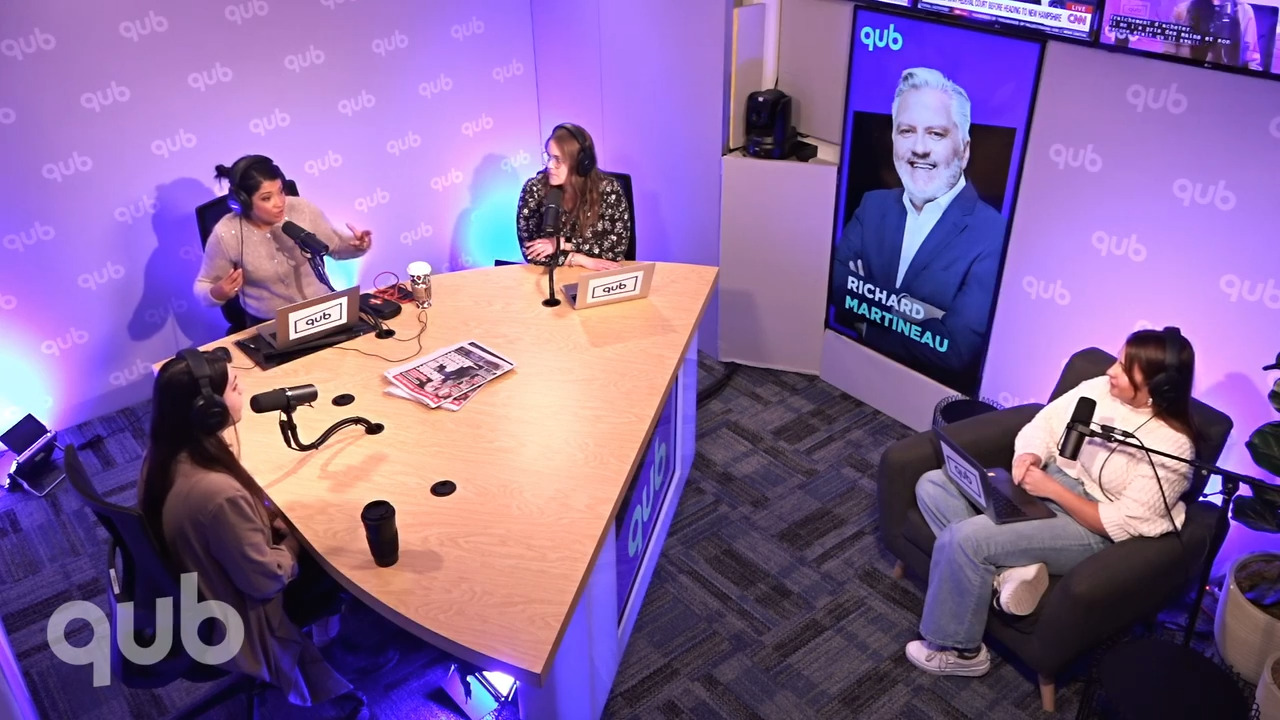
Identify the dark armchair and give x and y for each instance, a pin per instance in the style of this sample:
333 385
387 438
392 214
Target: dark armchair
1107 593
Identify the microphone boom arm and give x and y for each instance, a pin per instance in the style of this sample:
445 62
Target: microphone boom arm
289 430
1231 482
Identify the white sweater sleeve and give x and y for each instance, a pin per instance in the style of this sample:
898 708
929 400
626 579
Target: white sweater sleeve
1139 509
1042 435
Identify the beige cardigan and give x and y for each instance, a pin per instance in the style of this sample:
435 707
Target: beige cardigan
214 528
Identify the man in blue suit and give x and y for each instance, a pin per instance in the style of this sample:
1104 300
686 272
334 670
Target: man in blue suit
915 270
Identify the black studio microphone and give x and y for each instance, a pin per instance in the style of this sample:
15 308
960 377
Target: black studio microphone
305 239
1077 429
551 213
283 398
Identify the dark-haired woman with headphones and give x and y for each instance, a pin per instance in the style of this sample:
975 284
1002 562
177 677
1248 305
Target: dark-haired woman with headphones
1109 494
210 517
249 255
596 226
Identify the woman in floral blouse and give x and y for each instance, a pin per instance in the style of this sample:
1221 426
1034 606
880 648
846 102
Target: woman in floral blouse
596 225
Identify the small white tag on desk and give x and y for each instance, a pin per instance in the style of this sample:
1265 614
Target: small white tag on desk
616 286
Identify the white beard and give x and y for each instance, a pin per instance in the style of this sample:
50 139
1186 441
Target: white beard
945 178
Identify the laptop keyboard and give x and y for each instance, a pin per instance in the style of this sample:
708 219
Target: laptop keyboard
1004 507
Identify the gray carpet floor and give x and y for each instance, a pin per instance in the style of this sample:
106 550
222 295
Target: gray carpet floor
773 598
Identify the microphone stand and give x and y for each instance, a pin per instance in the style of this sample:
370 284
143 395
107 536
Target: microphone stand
1231 482
289 430
552 300
317 266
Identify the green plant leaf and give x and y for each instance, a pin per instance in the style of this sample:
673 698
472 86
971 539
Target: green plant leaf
1274 396
1264 447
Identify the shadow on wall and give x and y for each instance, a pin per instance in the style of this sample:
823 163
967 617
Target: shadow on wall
171 270
1250 409
485 230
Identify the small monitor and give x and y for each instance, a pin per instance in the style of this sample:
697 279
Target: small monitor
1227 34
22 437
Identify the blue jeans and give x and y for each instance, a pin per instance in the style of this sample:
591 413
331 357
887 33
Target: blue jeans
971 550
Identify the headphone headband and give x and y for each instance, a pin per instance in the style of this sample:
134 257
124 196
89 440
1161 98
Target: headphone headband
1169 384
241 200
586 148
209 412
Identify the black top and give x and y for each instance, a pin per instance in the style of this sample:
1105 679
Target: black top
607 239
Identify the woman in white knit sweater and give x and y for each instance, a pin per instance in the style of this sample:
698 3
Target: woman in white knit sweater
1109 494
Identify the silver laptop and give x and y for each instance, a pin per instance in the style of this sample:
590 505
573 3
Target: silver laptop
990 490
312 319
629 282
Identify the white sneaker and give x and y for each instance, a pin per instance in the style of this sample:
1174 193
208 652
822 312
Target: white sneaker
936 661
1019 589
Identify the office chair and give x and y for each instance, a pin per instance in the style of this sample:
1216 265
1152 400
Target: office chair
138 573
1106 594
624 181
207 216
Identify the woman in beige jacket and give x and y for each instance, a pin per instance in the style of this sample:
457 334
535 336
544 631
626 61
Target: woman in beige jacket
211 518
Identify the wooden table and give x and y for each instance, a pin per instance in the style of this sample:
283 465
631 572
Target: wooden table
514 571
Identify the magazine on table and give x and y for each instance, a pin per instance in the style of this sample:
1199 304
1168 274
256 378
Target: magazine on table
448 374
454 403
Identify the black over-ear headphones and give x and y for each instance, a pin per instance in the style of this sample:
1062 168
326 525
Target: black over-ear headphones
1167 386
586 149
209 413
237 198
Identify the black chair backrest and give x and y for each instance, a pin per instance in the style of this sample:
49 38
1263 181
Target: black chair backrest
1213 426
136 572
624 180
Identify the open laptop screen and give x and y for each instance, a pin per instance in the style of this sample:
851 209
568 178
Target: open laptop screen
22 436
961 471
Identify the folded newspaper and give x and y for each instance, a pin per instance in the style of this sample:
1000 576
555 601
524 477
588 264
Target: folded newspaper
448 378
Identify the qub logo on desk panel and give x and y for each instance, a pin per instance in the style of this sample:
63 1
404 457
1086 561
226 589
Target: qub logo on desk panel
638 516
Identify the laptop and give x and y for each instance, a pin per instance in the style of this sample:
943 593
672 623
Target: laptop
990 490
629 282
313 319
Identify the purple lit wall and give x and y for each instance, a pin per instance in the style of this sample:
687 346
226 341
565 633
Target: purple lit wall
417 120
1147 199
